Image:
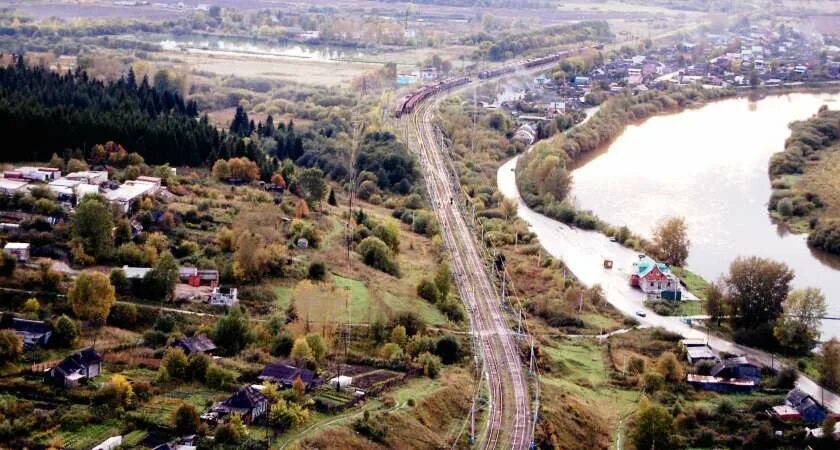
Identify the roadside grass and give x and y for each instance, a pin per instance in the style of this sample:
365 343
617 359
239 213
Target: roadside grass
600 321
693 282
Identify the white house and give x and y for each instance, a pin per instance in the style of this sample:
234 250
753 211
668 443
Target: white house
130 191
20 250
9 186
222 296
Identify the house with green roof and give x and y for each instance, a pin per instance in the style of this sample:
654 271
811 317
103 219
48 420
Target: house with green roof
655 278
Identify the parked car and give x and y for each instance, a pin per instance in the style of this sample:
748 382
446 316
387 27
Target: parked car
641 313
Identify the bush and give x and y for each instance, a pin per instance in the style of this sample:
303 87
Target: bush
427 290
376 254
123 315
65 332
219 378
186 420
448 348
786 378
317 271
431 364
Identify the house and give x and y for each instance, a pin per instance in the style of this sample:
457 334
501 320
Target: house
738 368
428 73
78 367
248 402
719 384
655 278
32 332
199 277
222 296
20 250
82 190
195 344
800 406
63 188
284 375
581 81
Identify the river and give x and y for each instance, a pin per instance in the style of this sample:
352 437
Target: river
709 165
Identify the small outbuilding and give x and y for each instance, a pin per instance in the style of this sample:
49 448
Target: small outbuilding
195 344
284 375
20 250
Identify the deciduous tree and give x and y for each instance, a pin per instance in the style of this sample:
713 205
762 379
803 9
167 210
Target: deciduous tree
671 239
828 364
11 347
92 297
186 419
799 327
92 226
756 288
653 428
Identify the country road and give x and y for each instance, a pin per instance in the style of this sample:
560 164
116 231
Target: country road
583 252
509 413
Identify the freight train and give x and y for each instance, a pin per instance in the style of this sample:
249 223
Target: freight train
406 104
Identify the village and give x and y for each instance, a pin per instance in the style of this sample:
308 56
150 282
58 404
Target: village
745 57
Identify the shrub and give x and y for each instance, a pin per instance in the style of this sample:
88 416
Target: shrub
431 364
219 378
317 271
123 315
186 420
65 332
376 254
427 290
175 362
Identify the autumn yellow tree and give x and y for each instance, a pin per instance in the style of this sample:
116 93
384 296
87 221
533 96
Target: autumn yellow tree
671 239
92 297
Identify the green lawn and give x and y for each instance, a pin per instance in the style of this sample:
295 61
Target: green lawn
359 298
428 312
695 283
284 296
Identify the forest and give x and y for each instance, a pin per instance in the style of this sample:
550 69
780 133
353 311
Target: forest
543 175
77 112
509 45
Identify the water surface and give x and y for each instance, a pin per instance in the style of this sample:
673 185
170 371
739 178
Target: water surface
709 165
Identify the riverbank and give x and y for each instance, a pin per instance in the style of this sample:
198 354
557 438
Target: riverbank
806 180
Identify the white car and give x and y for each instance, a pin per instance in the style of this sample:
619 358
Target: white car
641 313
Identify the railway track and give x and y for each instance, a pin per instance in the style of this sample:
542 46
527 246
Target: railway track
509 414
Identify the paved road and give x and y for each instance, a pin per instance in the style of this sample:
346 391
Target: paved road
583 252
509 415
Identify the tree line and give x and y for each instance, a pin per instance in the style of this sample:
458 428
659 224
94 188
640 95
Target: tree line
72 111
510 45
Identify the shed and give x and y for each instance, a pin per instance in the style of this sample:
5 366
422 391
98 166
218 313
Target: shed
195 344
738 367
20 250
341 381
32 332
696 355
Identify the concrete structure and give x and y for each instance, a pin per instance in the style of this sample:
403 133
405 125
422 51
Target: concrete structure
130 191
10 186
222 296
20 250
89 176
38 173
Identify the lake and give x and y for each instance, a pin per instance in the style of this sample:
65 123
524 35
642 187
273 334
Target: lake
233 45
709 165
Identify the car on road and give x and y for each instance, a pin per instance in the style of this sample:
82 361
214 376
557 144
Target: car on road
641 313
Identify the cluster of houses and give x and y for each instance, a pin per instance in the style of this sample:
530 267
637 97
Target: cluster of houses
71 188
737 375
742 56
194 277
